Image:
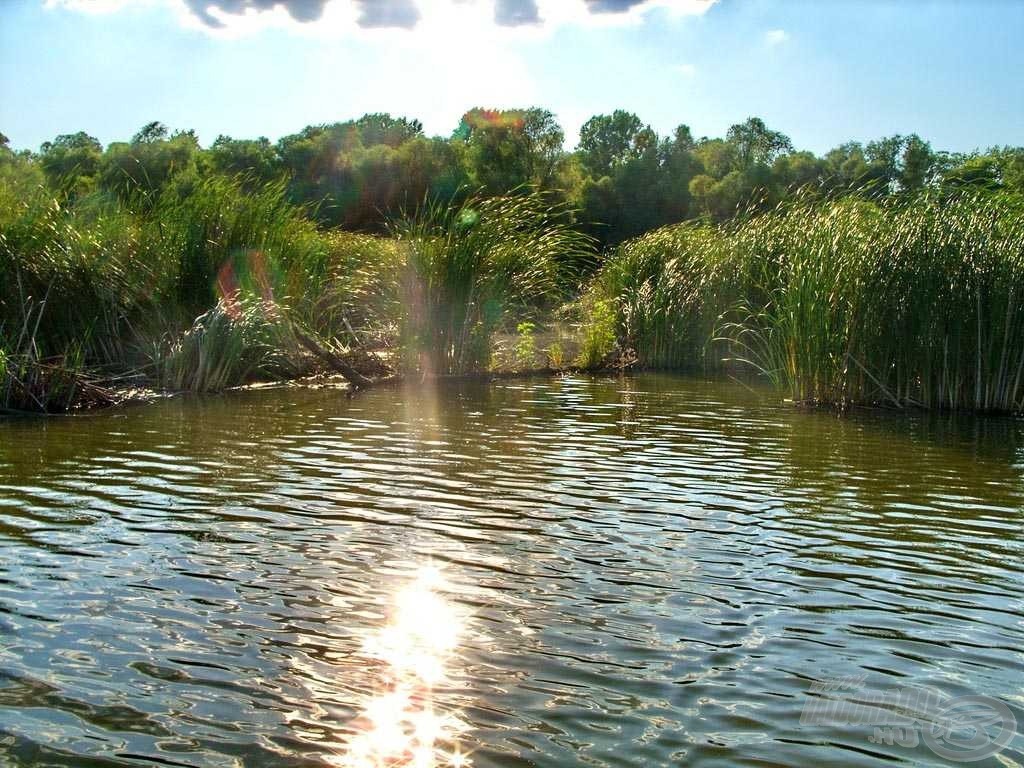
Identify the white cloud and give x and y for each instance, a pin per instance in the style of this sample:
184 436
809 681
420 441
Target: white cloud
776 37
334 18
687 70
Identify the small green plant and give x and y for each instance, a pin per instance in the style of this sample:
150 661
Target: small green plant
526 345
598 339
556 356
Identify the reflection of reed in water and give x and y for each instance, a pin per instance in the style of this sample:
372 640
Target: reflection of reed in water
399 726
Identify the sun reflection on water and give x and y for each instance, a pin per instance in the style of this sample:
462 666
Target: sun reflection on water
400 726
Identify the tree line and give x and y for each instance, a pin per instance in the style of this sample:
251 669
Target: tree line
623 178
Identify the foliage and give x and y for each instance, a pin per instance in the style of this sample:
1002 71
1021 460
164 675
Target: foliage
526 345
736 247
218 238
83 261
623 177
112 278
913 302
466 265
667 290
238 340
509 149
598 332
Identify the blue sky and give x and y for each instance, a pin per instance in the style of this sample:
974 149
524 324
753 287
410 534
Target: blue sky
823 71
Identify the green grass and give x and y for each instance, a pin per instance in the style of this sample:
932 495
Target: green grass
360 302
914 302
83 261
236 342
907 302
465 268
117 281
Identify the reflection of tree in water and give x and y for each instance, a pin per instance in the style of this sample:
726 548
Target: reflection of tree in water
930 482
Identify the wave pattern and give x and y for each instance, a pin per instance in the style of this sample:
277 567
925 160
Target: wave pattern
655 571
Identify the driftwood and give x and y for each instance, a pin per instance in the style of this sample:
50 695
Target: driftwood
334 361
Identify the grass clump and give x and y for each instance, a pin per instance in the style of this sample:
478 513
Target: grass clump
466 266
237 341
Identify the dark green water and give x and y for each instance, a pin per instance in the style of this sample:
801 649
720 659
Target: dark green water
649 571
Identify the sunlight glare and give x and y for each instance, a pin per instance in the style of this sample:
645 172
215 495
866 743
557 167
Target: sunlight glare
399 726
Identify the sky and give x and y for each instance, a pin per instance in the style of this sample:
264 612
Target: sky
821 71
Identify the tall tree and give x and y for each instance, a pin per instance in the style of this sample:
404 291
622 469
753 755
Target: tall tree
608 141
755 143
71 161
505 149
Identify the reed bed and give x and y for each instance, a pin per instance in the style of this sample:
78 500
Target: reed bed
911 302
144 287
902 302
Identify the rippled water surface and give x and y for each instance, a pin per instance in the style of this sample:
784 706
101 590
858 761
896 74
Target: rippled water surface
645 571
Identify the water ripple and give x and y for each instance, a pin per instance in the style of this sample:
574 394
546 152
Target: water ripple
656 571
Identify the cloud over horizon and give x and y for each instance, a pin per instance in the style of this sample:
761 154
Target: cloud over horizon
407 14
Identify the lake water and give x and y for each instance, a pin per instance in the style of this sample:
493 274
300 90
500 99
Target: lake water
643 571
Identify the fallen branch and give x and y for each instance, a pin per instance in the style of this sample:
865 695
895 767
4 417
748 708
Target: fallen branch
333 361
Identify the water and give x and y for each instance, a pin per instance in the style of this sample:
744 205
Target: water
646 571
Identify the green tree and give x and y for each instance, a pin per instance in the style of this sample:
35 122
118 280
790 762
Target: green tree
254 157
608 141
917 163
71 162
505 149
755 143
382 128
20 176
150 162
716 157
797 170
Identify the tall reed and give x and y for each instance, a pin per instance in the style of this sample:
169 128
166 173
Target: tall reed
223 236
909 302
464 266
240 339
83 260
116 281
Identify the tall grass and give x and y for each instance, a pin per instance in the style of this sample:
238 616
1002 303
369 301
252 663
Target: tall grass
32 383
466 266
668 289
240 339
223 236
913 302
361 300
118 279
83 261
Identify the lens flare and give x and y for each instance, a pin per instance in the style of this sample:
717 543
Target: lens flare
400 726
